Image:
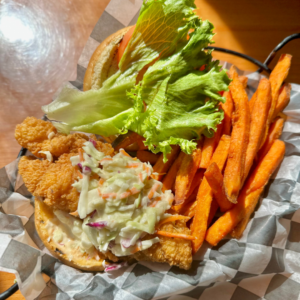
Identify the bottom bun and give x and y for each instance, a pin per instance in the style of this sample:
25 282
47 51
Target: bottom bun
47 225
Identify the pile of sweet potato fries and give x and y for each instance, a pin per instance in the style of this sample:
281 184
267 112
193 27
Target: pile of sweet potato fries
230 170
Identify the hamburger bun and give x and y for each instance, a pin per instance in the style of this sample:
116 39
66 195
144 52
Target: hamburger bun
102 65
47 225
103 62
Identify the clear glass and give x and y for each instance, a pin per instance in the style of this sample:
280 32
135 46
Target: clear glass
40 44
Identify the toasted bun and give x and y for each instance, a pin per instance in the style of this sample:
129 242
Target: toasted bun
103 62
44 218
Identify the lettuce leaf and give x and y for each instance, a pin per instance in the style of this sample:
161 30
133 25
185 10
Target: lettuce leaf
182 101
161 26
102 111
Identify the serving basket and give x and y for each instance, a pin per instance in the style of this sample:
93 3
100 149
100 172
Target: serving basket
262 66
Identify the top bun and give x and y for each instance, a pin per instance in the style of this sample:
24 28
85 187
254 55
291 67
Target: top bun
103 62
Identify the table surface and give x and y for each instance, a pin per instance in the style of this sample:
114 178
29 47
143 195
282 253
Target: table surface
252 27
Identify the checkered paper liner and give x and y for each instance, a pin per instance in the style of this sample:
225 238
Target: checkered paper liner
263 264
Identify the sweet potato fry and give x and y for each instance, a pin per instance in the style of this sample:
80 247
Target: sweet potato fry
258 122
205 196
190 209
196 181
221 153
192 193
209 147
283 99
214 178
141 144
128 140
132 147
213 209
251 102
237 232
169 179
186 173
239 140
160 167
274 133
249 196
146 156
283 116
243 80
227 108
277 76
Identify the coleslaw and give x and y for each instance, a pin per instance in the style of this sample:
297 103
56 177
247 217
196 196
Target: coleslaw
121 208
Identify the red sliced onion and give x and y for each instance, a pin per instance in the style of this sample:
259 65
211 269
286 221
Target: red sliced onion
93 142
93 213
100 224
79 165
111 244
114 267
126 243
86 170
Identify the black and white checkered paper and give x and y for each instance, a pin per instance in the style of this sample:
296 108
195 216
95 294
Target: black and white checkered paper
263 264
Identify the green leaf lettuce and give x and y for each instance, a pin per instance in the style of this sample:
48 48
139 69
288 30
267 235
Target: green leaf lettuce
182 101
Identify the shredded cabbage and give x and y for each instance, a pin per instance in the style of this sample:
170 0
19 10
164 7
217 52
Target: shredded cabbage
48 155
116 211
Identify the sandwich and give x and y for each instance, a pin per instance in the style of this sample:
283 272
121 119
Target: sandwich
97 207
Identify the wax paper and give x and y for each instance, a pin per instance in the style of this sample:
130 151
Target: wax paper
263 264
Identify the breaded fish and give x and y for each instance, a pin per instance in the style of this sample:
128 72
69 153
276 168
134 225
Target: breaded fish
173 251
51 182
38 135
32 170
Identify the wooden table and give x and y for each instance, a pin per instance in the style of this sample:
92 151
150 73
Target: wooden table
252 27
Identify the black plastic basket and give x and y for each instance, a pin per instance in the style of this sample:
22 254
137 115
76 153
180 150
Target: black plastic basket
262 67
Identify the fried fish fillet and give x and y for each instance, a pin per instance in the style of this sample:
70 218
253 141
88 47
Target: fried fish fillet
37 135
32 170
51 182
173 251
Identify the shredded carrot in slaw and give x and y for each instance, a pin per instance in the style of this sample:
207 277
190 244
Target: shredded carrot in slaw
124 153
146 168
153 190
153 204
134 191
109 195
176 235
80 152
136 249
101 181
141 177
125 195
133 166
74 213
105 159
156 200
